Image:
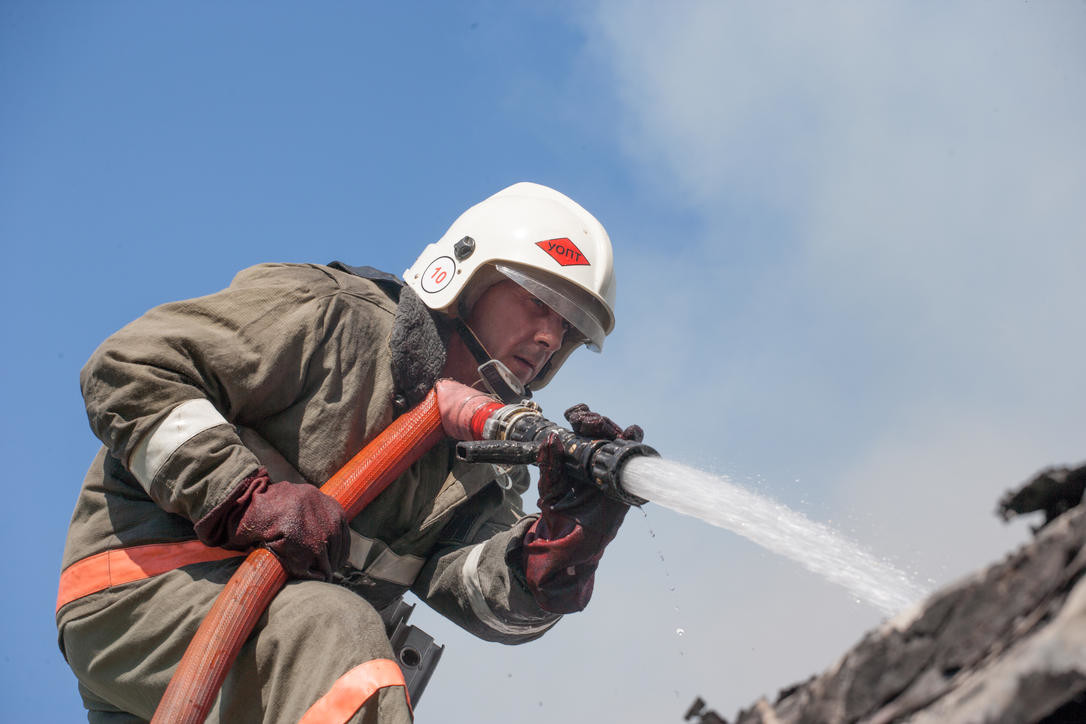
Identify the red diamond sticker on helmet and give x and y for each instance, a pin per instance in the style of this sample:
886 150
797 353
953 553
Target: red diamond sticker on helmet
563 251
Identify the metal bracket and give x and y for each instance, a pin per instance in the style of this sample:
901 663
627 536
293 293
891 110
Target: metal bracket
415 650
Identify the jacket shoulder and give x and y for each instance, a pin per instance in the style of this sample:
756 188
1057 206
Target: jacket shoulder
319 279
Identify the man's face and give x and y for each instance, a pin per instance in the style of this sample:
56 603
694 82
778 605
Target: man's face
517 328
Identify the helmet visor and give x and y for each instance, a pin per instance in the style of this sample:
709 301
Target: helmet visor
564 303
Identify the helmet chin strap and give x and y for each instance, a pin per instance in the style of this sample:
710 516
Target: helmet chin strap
498 378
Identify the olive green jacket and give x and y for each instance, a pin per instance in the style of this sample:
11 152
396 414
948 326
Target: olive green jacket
296 368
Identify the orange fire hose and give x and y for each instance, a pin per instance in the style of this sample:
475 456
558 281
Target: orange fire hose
241 603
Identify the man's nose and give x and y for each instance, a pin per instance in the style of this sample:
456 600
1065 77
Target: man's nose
551 331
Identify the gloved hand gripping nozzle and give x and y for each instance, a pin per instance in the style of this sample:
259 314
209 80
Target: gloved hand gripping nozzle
513 434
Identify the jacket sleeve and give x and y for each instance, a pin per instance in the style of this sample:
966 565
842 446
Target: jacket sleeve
475 577
164 393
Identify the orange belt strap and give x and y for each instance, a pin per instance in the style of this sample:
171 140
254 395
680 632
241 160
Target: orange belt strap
124 565
354 689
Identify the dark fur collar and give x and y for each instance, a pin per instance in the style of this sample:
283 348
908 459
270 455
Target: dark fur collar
418 343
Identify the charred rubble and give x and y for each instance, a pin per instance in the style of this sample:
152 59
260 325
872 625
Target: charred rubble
1006 645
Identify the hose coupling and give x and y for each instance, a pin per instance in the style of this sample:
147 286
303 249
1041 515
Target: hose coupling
499 424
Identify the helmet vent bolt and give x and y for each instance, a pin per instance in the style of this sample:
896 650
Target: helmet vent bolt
464 248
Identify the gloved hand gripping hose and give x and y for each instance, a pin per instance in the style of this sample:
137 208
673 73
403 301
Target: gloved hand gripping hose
196 682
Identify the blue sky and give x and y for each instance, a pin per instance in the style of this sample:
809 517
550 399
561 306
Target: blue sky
849 245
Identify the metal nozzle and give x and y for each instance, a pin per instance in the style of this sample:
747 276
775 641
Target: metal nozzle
515 432
607 462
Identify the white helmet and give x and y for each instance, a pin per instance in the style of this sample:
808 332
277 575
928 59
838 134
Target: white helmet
539 238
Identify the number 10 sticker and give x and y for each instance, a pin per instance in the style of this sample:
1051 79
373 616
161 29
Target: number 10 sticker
438 275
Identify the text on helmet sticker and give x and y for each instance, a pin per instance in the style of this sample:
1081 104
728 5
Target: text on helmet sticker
563 251
438 274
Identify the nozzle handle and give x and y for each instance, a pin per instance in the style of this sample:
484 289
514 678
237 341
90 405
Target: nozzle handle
501 452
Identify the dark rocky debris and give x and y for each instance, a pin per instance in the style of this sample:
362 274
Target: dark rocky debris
1006 645
1053 491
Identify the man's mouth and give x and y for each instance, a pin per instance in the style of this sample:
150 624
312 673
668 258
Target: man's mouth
529 367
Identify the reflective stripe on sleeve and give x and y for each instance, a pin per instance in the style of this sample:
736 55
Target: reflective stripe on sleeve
184 422
352 690
360 550
387 565
125 565
469 576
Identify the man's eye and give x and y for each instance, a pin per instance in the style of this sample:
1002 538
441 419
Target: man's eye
544 307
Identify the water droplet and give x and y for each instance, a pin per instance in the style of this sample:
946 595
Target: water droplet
680 632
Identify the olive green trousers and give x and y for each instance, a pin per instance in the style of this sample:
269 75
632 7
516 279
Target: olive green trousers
124 643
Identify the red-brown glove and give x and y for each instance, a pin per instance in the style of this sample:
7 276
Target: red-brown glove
305 529
586 423
563 548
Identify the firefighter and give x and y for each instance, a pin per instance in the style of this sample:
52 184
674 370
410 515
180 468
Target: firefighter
221 415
